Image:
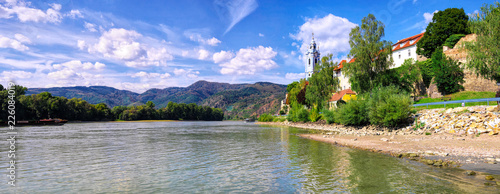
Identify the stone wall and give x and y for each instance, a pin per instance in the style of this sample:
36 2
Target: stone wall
472 81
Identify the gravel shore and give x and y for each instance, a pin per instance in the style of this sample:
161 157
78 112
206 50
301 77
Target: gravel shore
478 152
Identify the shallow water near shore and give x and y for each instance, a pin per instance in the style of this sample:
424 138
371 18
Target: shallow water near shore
212 157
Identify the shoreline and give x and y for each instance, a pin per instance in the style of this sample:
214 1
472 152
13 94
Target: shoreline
438 149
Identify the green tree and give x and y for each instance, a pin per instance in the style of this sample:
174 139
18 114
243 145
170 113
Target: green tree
448 75
322 84
484 53
444 24
371 52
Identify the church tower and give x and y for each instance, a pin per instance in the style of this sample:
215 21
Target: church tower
313 58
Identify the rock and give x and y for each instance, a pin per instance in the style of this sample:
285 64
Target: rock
437 163
324 136
470 173
384 139
429 162
355 139
489 177
413 155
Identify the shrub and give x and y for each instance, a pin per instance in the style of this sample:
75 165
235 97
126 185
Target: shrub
303 115
388 106
448 74
314 115
329 117
352 113
266 118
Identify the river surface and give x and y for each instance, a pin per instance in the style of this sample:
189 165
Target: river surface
209 157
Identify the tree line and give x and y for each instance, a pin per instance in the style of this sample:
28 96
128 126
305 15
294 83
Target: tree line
44 105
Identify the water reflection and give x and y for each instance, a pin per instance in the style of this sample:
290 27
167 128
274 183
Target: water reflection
214 157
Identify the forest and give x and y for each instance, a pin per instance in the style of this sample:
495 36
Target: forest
44 105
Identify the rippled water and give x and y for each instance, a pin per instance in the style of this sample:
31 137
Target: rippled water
212 157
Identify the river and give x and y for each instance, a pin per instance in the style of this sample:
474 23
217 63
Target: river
209 157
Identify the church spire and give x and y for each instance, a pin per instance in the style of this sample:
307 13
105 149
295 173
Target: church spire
313 57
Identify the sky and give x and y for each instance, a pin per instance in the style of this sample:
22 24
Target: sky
139 45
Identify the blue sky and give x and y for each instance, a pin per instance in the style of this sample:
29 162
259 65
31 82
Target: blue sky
138 45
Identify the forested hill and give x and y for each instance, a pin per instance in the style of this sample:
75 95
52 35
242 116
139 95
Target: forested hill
235 99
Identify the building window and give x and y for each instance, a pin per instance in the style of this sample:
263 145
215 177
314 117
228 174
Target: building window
309 61
315 60
409 53
400 56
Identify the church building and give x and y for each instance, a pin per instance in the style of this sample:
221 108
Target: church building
313 58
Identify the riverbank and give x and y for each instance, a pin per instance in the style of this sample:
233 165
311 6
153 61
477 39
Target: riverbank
442 145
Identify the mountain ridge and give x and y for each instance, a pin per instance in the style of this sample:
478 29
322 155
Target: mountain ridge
236 100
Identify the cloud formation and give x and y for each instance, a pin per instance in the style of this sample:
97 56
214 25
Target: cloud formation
125 45
295 76
13 43
249 61
235 10
25 13
330 32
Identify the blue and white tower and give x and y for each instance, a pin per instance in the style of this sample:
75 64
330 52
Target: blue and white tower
313 58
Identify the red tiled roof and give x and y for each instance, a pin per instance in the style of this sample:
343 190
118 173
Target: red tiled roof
337 96
341 64
407 41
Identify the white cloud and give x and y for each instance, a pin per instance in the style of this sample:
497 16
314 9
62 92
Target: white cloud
222 56
261 35
78 65
143 74
125 45
206 41
249 61
235 10
179 71
331 34
13 75
203 54
428 17
188 73
15 44
63 74
74 14
25 13
90 27
295 76
22 38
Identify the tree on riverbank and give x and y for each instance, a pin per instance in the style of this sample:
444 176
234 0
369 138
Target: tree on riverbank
444 24
484 53
373 55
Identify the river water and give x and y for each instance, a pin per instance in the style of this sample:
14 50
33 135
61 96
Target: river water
208 157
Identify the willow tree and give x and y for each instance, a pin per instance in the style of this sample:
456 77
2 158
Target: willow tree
322 84
484 53
373 55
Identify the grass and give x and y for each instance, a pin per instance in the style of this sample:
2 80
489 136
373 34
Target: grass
458 96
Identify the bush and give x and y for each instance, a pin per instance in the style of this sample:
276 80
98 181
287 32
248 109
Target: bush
314 115
329 117
388 106
303 115
266 118
352 113
298 113
452 40
448 74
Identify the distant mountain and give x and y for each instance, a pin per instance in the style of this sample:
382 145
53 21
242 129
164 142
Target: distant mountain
234 99
93 94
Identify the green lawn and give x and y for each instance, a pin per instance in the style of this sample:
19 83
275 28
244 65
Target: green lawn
458 96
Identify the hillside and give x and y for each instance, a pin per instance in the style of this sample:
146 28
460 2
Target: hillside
241 100
255 99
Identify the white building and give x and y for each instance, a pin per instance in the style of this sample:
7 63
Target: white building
406 49
402 50
313 58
